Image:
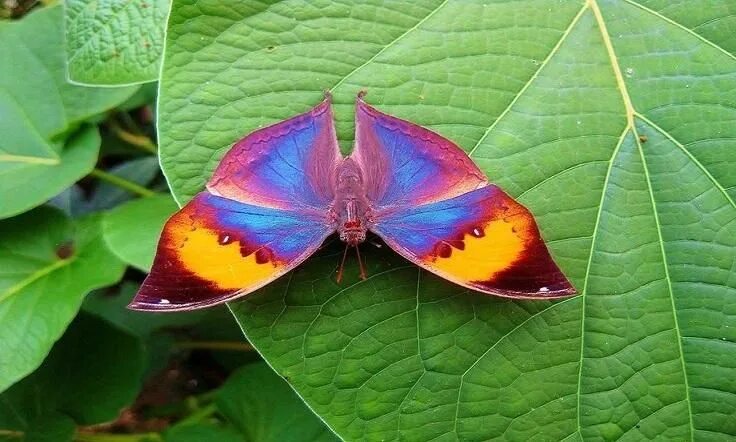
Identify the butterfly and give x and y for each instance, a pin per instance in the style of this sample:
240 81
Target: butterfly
282 190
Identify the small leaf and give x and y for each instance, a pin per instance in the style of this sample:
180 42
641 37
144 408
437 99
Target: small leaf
51 104
282 417
92 373
47 265
132 230
25 185
114 43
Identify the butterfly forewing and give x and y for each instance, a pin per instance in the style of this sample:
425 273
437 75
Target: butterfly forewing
265 211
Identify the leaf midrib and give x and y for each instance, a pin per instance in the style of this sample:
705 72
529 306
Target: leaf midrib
630 126
33 277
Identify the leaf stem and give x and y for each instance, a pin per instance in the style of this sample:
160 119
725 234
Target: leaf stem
13 434
140 141
121 182
215 345
93 436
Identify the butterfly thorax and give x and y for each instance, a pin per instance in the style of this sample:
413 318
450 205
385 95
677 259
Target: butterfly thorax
350 209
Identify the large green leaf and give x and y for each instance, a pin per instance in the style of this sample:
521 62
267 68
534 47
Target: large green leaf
612 120
39 110
114 42
47 265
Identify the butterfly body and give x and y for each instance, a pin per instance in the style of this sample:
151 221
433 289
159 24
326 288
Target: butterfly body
282 190
351 208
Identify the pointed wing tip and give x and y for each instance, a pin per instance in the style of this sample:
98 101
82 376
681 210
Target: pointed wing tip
142 306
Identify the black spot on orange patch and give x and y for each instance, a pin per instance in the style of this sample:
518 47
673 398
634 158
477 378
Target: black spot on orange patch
264 255
443 250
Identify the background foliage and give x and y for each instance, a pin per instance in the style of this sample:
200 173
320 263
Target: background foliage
612 120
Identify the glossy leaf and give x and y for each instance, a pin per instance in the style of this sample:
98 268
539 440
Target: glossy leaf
44 110
132 229
281 418
92 373
114 43
611 120
47 265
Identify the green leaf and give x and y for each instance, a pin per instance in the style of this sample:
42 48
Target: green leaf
611 120
92 373
47 265
32 73
26 184
132 230
114 43
39 110
283 417
200 432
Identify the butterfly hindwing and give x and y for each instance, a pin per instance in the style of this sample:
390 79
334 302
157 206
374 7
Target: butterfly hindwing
285 165
483 240
216 249
404 163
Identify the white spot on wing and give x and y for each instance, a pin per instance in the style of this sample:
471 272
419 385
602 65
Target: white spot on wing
164 301
544 289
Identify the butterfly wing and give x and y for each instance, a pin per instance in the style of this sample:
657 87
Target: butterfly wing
282 166
264 212
434 206
483 240
215 249
404 163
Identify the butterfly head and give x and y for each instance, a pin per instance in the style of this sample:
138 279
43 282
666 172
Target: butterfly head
352 232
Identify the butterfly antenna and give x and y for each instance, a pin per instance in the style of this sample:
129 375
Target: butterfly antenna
360 263
342 264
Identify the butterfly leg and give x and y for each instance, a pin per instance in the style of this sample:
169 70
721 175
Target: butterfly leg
342 264
360 263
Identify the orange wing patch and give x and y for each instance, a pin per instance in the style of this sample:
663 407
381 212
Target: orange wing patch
215 249
486 250
218 257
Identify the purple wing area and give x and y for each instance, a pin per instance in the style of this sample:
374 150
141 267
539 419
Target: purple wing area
483 240
404 163
290 164
215 250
